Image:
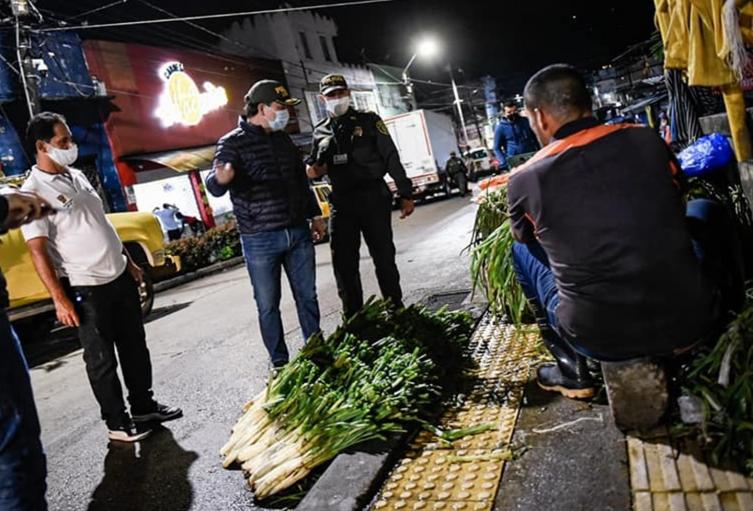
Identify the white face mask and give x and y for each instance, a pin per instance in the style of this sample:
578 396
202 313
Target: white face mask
280 121
63 157
338 107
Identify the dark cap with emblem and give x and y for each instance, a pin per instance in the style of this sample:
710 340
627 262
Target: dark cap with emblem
268 92
331 83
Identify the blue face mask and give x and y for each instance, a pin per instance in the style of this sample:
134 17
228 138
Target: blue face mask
280 121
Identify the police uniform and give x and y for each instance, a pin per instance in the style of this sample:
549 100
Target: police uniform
359 151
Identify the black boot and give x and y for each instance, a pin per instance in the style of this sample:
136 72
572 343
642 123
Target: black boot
569 375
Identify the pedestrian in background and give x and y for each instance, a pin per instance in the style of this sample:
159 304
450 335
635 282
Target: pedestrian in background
22 460
356 151
277 212
457 172
513 135
92 281
170 220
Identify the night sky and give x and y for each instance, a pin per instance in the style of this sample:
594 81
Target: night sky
507 39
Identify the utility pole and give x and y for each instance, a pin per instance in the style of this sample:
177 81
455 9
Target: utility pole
409 85
29 80
469 99
459 106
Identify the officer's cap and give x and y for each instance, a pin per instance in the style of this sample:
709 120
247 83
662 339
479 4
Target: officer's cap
331 83
268 92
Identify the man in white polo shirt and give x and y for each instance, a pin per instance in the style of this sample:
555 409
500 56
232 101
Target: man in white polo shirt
92 281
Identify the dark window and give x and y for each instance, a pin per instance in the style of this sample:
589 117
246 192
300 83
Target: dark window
325 48
305 45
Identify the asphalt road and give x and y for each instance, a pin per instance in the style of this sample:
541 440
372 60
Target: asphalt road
209 359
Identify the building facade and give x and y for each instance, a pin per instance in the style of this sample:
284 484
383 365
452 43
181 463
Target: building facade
168 108
304 43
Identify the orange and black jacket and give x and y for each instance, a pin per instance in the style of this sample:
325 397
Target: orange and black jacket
606 204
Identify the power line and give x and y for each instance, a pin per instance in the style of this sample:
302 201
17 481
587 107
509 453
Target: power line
98 9
215 16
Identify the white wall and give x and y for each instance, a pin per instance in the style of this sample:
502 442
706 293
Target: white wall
220 205
175 190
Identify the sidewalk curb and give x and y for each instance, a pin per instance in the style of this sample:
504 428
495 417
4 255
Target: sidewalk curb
198 274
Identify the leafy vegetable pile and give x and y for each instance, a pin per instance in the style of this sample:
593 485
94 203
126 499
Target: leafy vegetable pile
380 370
721 380
491 258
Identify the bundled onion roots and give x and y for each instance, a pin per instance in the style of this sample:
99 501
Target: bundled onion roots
377 372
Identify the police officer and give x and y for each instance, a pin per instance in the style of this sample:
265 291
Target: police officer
355 150
456 170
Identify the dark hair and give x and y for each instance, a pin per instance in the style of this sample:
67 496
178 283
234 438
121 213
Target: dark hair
42 127
510 103
251 109
559 88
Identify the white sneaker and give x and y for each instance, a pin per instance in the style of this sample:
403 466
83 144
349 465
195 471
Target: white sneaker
127 433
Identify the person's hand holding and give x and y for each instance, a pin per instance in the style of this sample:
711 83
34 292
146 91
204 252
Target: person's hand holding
224 173
318 229
25 207
66 311
316 170
406 208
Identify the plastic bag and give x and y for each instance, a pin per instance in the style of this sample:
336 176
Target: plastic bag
706 155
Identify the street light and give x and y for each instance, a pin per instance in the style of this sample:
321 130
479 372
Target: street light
426 48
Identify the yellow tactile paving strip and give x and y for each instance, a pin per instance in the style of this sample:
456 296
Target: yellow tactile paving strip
428 477
665 478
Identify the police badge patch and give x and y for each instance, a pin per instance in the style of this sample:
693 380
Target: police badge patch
358 131
381 127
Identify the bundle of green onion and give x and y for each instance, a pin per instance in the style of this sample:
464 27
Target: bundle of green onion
491 258
380 370
721 377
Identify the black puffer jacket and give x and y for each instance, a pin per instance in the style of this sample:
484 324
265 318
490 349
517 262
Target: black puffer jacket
270 189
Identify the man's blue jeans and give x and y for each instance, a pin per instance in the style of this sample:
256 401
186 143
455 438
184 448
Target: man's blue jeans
267 253
711 238
22 460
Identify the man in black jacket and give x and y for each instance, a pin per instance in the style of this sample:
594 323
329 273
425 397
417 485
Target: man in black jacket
356 151
264 172
605 253
457 172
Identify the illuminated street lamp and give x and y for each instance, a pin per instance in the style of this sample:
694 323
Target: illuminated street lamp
426 48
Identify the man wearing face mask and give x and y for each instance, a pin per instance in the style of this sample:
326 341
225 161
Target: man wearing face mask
513 135
277 212
355 150
92 281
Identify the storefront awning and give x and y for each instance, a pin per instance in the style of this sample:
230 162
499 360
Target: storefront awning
180 160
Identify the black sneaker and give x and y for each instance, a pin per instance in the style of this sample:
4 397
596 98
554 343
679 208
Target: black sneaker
127 433
160 413
549 377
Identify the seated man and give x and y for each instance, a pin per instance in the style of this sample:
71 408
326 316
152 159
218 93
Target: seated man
604 254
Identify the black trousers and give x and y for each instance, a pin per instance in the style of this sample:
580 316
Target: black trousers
111 320
366 211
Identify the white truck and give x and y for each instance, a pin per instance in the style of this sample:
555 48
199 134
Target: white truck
424 140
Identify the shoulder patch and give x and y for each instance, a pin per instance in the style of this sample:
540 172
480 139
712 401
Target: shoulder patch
381 127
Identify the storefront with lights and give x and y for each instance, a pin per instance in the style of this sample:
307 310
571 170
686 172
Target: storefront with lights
168 109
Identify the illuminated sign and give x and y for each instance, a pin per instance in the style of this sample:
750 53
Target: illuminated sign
182 102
